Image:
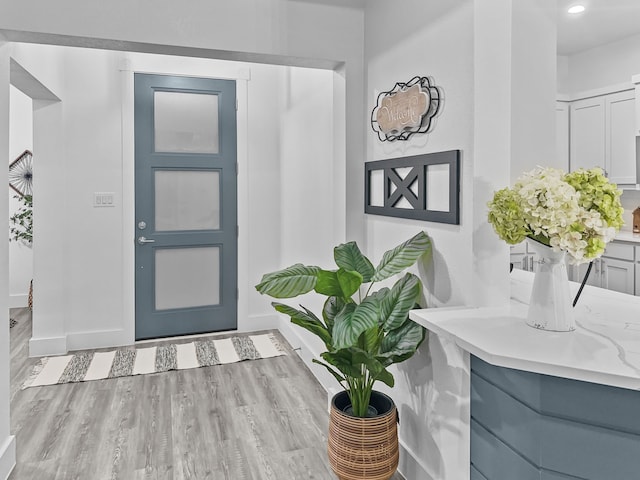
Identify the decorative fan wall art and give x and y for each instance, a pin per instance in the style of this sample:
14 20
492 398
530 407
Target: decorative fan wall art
21 174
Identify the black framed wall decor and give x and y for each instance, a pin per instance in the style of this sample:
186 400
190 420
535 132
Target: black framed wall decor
420 187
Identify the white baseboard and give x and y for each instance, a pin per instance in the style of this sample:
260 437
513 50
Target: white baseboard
97 339
41 347
410 465
19 301
7 456
254 323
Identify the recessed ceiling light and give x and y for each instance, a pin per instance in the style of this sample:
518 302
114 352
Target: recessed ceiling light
576 9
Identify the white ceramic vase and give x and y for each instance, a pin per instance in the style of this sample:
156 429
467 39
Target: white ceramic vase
550 307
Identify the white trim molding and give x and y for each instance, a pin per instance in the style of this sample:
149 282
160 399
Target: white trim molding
7 456
43 346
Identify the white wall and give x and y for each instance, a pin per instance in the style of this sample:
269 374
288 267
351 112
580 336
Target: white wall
278 31
534 87
286 32
563 73
433 40
310 196
41 75
603 66
400 60
7 441
501 115
20 253
286 163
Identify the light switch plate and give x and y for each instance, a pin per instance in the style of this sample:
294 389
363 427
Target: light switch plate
103 199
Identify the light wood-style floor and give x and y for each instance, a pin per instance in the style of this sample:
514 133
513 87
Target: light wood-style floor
263 419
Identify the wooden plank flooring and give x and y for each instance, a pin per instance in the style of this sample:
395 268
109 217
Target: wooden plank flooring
256 420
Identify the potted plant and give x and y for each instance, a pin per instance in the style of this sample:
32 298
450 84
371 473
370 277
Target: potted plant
364 332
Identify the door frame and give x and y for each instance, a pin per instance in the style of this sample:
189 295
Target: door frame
241 75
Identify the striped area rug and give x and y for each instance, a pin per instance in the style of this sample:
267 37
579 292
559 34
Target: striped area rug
125 361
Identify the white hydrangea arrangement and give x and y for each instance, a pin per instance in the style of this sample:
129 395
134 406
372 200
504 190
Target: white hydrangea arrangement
579 212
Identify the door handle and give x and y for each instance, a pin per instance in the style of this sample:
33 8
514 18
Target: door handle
143 240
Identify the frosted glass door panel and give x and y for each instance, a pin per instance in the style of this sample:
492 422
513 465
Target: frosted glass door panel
187 200
187 277
185 122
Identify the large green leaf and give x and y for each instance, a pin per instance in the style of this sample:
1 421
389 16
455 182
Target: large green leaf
394 307
370 339
331 308
380 296
403 256
400 344
343 360
290 282
305 320
337 376
349 257
353 320
339 283
376 369
349 282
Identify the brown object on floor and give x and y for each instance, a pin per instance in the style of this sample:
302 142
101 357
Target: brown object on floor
363 448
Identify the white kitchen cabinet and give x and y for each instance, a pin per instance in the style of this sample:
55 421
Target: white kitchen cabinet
577 273
620 138
618 275
523 257
609 273
615 270
587 133
618 269
602 134
637 248
636 81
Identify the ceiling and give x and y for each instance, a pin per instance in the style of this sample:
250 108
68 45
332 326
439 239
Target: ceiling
603 21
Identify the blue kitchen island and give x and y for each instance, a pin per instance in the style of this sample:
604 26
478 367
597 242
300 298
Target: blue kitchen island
541 405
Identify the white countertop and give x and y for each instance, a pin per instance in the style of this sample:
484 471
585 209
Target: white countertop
627 236
604 349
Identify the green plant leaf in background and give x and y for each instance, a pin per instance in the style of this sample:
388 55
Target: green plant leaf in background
22 220
401 343
305 320
343 361
349 257
403 256
339 283
353 320
381 296
290 282
370 339
395 307
336 375
331 308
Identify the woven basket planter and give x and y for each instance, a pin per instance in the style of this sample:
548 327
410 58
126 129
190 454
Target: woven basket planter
363 448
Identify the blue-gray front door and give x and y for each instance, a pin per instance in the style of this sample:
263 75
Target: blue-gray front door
186 206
